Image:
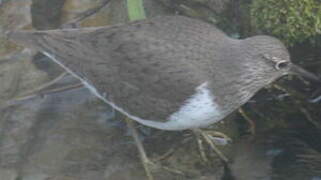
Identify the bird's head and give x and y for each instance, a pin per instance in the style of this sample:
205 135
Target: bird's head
270 60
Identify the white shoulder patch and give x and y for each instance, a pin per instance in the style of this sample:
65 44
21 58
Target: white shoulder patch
198 111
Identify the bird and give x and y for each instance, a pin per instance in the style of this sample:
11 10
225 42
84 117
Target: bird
168 72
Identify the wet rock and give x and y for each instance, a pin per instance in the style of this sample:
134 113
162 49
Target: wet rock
112 13
217 5
14 14
251 160
8 174
278 154
208 10
46 14
156 8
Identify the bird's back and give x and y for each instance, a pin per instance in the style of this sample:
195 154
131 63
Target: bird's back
148 68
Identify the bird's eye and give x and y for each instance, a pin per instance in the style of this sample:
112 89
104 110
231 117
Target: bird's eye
282 64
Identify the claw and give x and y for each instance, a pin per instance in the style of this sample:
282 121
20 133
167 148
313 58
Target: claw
209 139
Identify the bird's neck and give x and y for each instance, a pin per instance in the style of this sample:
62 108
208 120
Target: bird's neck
235 80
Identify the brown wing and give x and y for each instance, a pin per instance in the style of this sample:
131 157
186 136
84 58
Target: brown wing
148 68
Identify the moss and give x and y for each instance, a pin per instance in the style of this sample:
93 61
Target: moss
292 21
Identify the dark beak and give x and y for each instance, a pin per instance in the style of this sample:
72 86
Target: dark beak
297 70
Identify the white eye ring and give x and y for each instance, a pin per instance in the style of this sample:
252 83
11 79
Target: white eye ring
281 64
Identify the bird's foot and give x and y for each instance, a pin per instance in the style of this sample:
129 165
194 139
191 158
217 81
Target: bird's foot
148 165
210 137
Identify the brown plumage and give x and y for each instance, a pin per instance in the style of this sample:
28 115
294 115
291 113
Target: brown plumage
151 68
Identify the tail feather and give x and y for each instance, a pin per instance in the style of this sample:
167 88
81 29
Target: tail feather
25 38
52 41
29 39
65 47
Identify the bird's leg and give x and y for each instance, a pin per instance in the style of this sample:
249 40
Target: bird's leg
249 121
145 161
208 137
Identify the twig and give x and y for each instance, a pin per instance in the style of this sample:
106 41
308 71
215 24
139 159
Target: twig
290 91
46 85
299 105
44 93
308 116
166 154
86 14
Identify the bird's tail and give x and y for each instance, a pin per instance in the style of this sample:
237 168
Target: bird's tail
26 38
